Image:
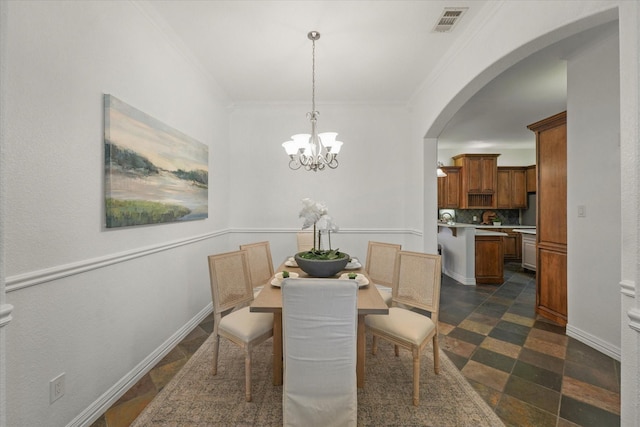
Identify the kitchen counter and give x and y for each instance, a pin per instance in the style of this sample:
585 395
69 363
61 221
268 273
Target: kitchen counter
480 232
525 230
458 242
465 225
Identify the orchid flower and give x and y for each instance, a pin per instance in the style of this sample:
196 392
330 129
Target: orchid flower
316 214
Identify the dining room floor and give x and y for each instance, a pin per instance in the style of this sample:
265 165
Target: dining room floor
526 368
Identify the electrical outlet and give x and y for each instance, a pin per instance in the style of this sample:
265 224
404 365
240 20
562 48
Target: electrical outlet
56 388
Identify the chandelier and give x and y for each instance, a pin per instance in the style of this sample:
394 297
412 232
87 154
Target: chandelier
315 151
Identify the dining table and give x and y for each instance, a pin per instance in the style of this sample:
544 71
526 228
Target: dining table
269 300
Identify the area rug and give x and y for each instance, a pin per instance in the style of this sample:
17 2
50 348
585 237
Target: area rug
194 397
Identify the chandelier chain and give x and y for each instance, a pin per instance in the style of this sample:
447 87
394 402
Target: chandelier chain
313 76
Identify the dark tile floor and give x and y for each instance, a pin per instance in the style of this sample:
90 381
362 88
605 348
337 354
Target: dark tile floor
524 367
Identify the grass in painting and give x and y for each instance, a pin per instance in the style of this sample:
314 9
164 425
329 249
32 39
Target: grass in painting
121 213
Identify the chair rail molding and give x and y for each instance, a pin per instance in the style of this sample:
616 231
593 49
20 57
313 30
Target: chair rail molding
21 281
628 288
634 317
38 277
408 231
5 314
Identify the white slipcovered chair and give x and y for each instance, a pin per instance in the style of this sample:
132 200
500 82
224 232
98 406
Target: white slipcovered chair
380 265
260 264
416 284
232 293
319 319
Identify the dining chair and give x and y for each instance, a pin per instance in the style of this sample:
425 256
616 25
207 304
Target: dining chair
260 264
416 285
379 266
319 318
231 292
305 241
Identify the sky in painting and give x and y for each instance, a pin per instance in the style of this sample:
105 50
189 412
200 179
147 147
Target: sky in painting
163 145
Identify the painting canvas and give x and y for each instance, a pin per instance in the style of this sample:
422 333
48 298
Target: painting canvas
153 173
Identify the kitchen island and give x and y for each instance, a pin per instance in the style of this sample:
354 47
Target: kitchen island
458 244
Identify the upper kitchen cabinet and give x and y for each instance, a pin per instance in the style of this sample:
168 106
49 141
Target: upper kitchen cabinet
449 188
531 179
512 188
478 178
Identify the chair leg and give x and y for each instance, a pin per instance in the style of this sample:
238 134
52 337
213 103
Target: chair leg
374 345
416 376
247 374
436 354
396 349
216 346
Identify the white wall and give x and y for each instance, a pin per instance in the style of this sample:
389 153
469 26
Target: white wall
97 305
593 180
366 195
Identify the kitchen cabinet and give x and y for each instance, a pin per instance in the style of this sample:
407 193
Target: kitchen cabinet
478 179
551 217
449 188
489 259
512 189
511 244
531 179
529 252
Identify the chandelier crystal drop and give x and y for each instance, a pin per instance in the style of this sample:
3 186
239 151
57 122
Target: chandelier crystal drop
313 151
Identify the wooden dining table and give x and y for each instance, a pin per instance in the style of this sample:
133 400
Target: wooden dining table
269 300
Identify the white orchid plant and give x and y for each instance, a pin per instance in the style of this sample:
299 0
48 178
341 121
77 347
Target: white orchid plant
317 215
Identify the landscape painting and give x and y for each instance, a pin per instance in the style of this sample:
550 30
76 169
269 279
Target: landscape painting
153 173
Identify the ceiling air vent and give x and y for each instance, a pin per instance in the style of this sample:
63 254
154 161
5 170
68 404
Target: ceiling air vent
449 18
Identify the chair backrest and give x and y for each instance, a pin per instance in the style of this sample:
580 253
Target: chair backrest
381 262
305 240
319 318
230 280
260 262
417 281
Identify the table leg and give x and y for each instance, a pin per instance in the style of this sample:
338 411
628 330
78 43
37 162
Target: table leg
277 348
361 349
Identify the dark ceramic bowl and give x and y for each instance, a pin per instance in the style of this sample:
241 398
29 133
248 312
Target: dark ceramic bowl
322 267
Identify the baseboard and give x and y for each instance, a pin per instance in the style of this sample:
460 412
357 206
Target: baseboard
594 342
470 281
104 402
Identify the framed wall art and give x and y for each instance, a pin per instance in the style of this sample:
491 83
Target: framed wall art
153 173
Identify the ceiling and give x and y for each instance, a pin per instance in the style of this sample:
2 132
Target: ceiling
370 52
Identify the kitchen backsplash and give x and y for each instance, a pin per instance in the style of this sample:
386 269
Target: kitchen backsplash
506 216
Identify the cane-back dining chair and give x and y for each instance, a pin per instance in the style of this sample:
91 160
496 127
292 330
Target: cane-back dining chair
260 264
232 293
380 265
319 334
305 240
416 285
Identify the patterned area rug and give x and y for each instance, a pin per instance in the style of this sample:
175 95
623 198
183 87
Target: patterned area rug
196 398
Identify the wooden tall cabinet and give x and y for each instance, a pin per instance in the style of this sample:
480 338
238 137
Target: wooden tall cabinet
551 217
449 188
478 179
512 188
